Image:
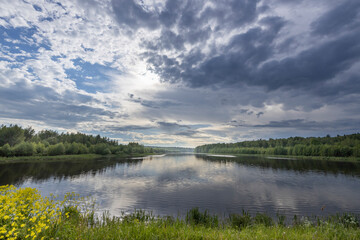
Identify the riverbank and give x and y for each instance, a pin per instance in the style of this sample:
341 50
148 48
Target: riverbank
70 157
25 214
290 157
168 229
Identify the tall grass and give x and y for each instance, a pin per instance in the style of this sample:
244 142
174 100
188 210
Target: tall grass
24 214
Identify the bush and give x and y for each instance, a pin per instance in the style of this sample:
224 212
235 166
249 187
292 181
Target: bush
5 151
102 149
195 217
139 216
72 148
24 149
40 148
240 221
114 149
280 219
356 151
57 149
262 218
347 220
83 149
22 221
280 151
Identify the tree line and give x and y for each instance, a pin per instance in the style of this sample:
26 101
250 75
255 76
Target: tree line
339 146
18 141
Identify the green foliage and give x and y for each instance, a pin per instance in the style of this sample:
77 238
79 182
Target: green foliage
25 214
281 219
5 151
40 148
83 149
29 133
57 149
12 135
195 217
139 216
72 148
347 220
262 218
340 146
24 149
16 141
240 220
102 149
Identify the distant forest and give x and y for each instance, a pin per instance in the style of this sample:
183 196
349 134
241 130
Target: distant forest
174 149
340 146
18 141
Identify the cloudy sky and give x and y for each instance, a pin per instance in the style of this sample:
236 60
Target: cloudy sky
181 73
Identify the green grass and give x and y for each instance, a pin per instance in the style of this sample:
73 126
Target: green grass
336 159
67 157
25 214
197 225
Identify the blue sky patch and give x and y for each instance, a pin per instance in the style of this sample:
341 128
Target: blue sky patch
20 40
89 77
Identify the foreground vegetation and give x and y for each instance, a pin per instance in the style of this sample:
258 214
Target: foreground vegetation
17 141
25 214
340 146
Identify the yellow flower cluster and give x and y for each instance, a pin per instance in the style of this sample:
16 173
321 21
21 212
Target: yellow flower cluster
25 214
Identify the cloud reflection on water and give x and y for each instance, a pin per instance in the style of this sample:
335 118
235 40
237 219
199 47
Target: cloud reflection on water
173 184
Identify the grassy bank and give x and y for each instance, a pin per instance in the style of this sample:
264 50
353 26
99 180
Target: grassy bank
69 157
322 158
25 214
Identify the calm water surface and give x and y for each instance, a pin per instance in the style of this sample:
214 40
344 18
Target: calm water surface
173 184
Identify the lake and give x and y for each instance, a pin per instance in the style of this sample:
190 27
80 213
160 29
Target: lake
172 184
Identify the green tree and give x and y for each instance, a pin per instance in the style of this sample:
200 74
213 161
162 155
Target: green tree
29 133
12 135
57 149
5 151
24 149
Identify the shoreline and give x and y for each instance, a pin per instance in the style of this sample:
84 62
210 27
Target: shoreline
69 157
291 157
94 156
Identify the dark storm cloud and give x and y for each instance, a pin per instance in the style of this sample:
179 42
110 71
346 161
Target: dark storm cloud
171 126
133 15
312 66
241 60
236 123
345 16
190 17
235 63
190 134
151 104
248 57
167 40
21 101
348 85
246 111
128 128
302 124
259 114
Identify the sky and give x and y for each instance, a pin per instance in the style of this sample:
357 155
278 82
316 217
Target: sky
181 73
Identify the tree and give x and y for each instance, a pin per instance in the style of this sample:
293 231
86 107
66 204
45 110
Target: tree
24 149
29 133
5 151
12 135
57 149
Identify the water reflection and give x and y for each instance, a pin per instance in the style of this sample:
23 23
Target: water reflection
300 165
17 173
173 184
